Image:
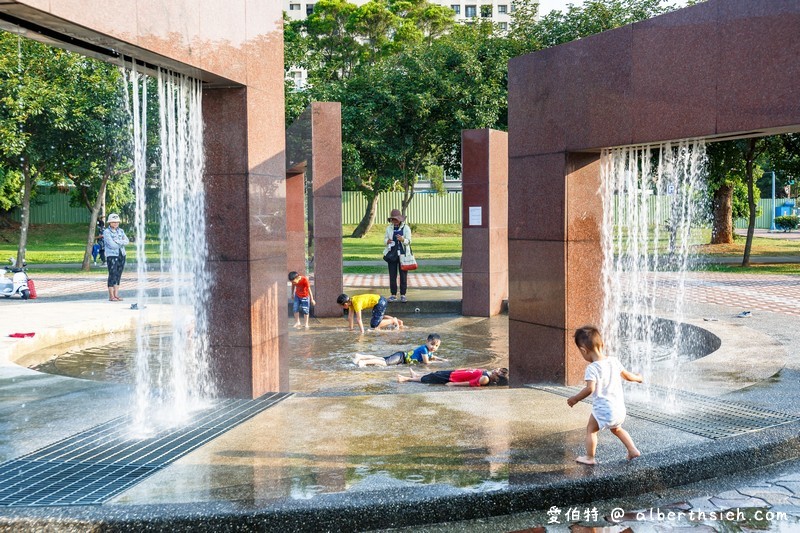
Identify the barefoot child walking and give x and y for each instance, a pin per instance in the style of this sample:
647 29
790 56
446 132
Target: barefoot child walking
603 377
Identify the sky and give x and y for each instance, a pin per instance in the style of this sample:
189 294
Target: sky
545 6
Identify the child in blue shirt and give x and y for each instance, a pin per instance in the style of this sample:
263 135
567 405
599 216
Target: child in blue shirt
421 355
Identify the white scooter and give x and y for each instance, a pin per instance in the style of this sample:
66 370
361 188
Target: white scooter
16 284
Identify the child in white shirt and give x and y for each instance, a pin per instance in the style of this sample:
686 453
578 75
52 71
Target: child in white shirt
604 383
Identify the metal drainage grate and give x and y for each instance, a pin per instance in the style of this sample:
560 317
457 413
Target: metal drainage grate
91 467
713 418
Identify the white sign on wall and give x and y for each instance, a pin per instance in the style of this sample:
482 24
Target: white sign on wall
475 215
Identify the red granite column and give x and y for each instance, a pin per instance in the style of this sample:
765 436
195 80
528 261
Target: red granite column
295 223
326 164
554 240
246 225
484 255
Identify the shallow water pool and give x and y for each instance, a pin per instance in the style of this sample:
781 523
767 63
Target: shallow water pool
320 358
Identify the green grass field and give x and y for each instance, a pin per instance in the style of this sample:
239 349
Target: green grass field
55 243
428 242
64 244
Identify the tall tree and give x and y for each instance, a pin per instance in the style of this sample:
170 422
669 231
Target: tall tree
725 171
39 113
101 162
594 16
332 50
752 150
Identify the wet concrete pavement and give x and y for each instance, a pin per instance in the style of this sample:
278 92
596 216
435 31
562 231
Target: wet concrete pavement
337 445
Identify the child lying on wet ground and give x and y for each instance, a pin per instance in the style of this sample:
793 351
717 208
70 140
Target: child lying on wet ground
420 355
463 377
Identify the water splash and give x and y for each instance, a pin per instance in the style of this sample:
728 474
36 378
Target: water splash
135 85
182 383
652 207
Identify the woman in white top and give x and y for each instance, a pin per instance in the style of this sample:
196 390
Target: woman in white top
397 237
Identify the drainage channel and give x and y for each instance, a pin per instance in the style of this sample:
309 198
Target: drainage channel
713 418
91 467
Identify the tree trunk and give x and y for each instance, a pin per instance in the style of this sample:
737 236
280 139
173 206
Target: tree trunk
408 195
90 240
26 213
722 230
369 216
751 201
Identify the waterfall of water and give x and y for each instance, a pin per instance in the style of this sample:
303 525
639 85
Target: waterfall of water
182 381
652 205
136 84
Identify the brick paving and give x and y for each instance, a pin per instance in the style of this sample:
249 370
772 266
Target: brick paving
418 280
60 284
771 293
52 284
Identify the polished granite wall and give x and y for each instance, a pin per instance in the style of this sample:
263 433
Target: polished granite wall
314 180
236 48
718 69
484 256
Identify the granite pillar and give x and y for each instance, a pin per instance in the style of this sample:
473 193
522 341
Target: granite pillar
484 255
724 69
326 190
314 203
295 222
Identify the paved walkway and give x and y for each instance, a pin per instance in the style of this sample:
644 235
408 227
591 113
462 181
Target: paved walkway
787 235
775 293
249 468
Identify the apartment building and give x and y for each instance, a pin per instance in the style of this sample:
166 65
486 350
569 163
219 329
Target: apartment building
498 11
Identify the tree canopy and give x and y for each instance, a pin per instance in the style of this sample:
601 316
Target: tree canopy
60 123
410 79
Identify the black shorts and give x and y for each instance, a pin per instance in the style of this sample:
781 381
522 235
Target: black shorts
440 377
397 358
377 313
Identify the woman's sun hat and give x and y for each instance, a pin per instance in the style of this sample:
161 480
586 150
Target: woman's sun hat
396 214
113 217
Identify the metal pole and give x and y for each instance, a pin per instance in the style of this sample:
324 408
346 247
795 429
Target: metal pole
772 225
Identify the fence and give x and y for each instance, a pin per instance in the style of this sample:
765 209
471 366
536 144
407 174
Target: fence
52 207
763 220
425 208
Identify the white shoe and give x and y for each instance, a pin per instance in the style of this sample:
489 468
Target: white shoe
392 298
403 299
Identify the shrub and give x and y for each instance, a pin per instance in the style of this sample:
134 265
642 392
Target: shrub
787 222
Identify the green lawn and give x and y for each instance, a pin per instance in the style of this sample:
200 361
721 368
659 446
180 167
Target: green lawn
428 242
55 243
778 268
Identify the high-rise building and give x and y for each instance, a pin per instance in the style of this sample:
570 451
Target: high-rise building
498 11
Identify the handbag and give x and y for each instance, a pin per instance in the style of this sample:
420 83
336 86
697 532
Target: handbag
407 260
